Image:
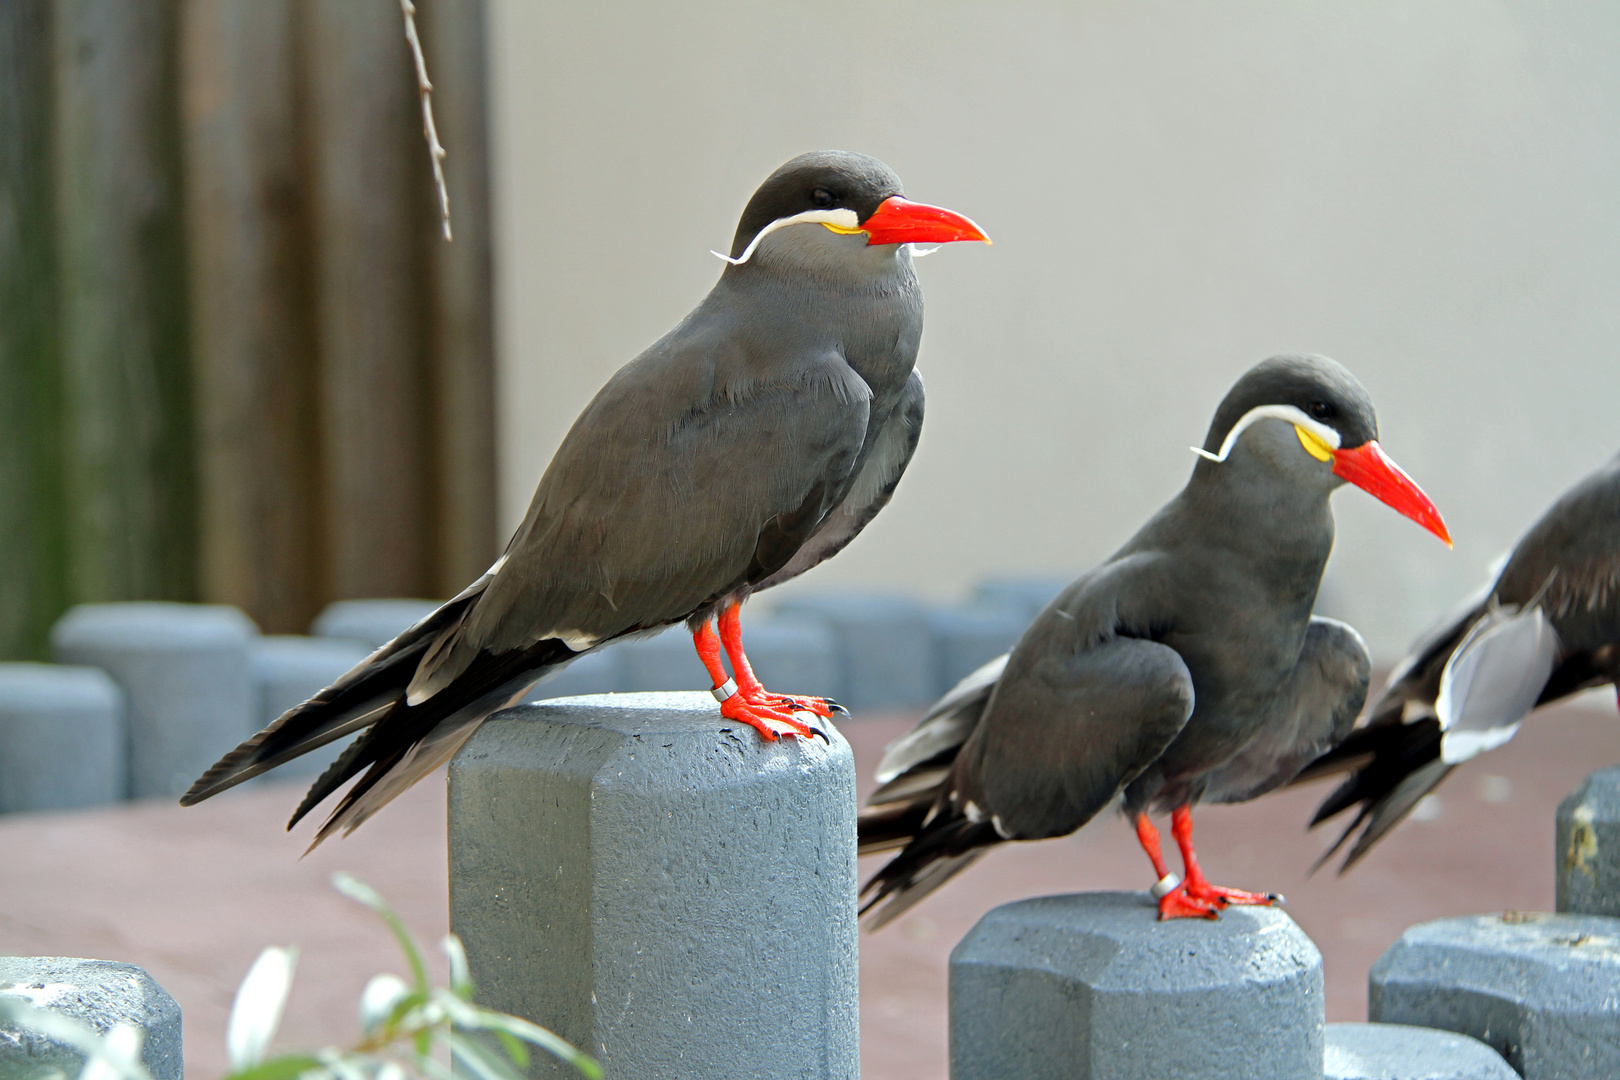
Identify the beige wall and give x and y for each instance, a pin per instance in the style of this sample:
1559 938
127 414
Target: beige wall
1429 192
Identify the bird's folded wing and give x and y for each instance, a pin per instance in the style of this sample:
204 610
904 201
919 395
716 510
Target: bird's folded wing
1492 681
661 500
1312 715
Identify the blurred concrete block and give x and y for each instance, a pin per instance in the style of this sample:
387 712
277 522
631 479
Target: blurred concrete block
375 622
885 650
594 673
1027 595
1588 847
183 668
289 670
1093 985
1399 1052
660 887
665 661
1541 990
61 738
966 637
97 993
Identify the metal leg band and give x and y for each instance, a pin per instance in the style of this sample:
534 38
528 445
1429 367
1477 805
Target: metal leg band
725 690
1165 886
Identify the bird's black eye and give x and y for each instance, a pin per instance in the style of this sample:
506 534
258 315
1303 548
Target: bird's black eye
1320 410
822 198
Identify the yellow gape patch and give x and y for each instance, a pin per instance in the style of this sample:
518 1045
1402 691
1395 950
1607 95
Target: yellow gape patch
840 230
1314 446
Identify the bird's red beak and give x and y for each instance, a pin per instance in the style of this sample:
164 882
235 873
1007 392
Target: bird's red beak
1371 470
901 221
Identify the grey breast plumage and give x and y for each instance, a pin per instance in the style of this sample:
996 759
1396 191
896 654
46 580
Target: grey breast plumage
1544 626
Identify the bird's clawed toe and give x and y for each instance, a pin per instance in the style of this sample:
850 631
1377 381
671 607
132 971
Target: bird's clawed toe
769 721
1215 894
1177 904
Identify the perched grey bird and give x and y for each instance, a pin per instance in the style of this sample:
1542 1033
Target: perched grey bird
1544 627
751 442
1187 667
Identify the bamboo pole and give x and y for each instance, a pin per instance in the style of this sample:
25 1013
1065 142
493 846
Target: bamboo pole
252 311
129 470
372 301
32 565
463 376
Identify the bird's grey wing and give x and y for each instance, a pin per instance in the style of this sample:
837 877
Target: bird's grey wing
914 766
1570 559
1086 701
670 491
945 725
1056 746
1493 680
1313 714
880 471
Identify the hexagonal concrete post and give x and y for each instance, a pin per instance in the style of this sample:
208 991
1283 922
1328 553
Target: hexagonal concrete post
184 672
1093 985
61 738
1588 846
1400 1052
1541 990
660 886
99 993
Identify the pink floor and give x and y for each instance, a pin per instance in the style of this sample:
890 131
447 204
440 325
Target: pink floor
192 895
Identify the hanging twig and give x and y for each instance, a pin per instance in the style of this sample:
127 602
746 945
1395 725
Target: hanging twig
429 131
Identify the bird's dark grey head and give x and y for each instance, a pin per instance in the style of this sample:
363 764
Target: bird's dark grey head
823 180
1315 393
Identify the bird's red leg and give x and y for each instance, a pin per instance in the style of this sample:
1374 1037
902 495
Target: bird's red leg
765 719
748 683
1171 891
1197 885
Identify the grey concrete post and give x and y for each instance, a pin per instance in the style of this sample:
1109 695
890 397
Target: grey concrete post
966 637
374 622
99 993
1399 1052
594 673
183 669
1541 990
61 738
1588 846
790 654
660 886
1093 986
885 649
288 670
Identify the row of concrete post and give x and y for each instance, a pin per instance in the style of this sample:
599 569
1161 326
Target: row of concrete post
145 696
677 897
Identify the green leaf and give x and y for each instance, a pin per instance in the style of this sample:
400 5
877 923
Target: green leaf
359 891
256 1013
460 975
489 1020
281 1067
514 1047
484 1065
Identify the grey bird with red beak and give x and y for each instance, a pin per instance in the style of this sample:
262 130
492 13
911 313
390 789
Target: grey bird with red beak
751 442
1545 626
1187 667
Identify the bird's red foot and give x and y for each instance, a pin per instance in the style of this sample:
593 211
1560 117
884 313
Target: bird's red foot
770 722
758 695
1215 894
1177 904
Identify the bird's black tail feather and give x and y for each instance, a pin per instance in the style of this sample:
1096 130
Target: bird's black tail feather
1391 767
942 848
401 741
